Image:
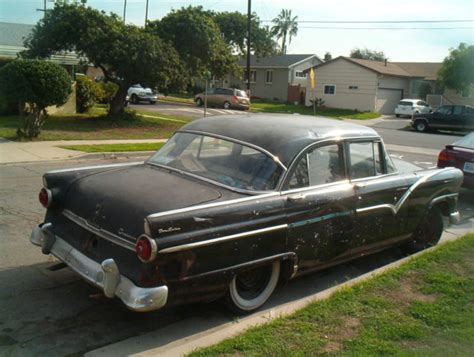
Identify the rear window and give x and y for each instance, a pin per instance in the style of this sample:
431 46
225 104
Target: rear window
466 142
240 93
404 102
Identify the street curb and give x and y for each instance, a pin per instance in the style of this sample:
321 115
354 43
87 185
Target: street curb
165 342
176 102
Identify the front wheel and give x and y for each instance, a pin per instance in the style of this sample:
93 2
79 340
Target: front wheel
135 99
421 126
428 233
251 288
199 102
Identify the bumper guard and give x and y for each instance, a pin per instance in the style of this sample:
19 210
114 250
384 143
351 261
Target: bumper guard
105 276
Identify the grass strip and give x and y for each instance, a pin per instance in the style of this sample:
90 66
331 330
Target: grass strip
424 307
114 147
262 106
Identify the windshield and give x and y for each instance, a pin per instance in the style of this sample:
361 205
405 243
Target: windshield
220 160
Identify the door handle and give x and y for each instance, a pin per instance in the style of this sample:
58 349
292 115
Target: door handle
296 198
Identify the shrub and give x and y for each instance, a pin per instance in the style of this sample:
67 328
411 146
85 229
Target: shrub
7 105
85 93
104 92
34 85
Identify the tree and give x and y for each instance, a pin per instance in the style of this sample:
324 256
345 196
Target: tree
424 90
327 56
126 54
285 26
457 70
364 53
198 41
234 26
35 85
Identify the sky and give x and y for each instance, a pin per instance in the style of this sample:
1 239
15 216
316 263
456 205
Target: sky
399 42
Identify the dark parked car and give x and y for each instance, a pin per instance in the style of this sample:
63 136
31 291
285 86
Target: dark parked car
226 98
446 117
232 205
461 155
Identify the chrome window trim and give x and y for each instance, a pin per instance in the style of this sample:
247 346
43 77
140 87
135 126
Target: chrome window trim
212 205
98 231
95 167
179 248
323 142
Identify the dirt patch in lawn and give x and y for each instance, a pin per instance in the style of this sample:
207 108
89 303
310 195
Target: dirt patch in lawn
407 292
347 330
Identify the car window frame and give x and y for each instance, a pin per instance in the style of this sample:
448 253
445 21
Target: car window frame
303 153
383 157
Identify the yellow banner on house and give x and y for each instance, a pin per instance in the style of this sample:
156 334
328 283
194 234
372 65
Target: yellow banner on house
311 77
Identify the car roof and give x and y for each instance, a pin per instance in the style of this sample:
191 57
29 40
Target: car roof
283 135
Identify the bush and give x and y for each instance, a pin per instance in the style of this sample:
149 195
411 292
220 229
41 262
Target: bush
104 92
8 106
34 85
85 94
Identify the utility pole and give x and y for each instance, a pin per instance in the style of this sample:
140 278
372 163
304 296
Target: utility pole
44 8
249 32
146 13
124 9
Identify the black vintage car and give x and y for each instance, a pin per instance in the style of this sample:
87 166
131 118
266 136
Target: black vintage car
232 205
446 117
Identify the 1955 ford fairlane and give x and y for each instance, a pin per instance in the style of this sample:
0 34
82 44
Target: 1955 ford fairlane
232 205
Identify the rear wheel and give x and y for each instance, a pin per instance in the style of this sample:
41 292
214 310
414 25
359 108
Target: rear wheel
251 288
428 232
226 105
421 126
397 115
199 102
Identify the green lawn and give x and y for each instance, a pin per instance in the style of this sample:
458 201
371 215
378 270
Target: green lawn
96 126
264 106
115 147
179 98
423 308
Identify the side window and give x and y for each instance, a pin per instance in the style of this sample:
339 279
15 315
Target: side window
457 110
365 160
319 166
445 109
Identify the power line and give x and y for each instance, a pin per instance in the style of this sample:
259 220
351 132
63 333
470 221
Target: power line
384 28
377 22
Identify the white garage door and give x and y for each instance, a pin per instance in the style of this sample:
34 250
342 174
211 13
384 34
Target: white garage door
387 100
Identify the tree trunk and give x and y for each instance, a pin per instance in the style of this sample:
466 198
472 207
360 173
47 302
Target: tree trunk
118 102
283 44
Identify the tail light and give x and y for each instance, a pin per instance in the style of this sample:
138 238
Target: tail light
146 249
45 197
446 158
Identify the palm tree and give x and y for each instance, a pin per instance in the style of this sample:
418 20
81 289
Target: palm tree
284 26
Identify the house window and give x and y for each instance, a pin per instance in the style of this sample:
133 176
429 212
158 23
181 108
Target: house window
300 74
329 89
353 87
269 77
253 76
466 93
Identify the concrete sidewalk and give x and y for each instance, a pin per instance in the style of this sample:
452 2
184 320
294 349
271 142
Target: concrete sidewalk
187 335
18 152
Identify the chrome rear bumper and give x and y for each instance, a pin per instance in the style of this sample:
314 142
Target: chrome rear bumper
105 276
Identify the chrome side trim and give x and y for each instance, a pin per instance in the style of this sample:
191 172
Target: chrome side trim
98 231
95 167
204 243
404 198
211 205
443 197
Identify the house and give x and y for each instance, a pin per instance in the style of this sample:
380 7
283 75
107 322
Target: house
366 85
279 77
12 36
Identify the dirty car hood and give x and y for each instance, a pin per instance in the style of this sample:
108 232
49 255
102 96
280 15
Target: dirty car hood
119 200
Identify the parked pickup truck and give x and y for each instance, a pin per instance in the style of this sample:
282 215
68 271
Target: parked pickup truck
447 117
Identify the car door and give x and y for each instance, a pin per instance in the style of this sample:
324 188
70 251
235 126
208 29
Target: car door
319 206
469 118
377 188
458 118
441 119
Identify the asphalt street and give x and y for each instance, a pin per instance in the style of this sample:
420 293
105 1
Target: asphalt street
46 310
